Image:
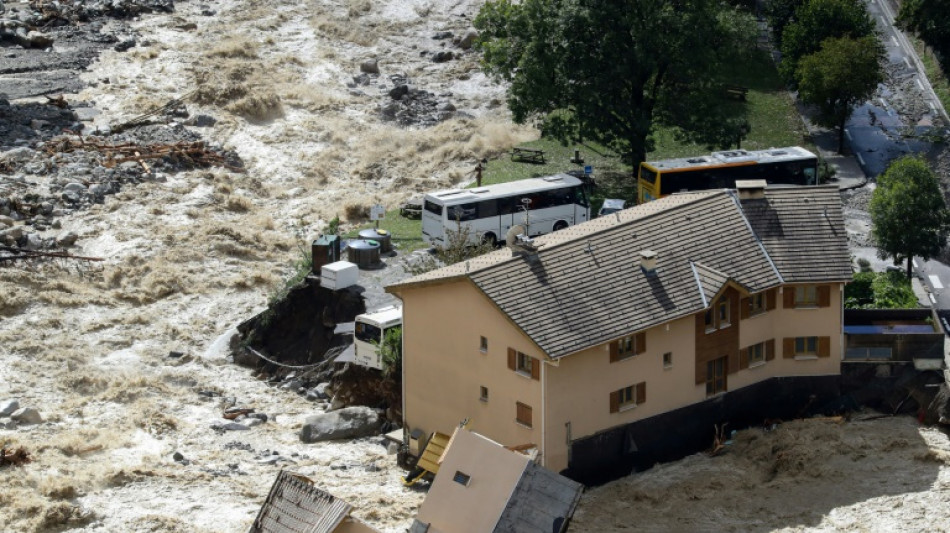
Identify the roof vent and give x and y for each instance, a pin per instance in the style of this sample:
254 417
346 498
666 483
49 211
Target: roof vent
751 189
648 261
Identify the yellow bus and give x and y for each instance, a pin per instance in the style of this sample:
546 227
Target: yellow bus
793 165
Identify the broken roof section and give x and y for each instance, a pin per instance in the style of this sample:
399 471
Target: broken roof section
296 505
482 486
585 286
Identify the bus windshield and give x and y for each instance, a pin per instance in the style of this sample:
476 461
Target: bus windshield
368 332
433 208
647 175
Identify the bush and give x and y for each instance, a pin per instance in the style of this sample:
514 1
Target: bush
879 290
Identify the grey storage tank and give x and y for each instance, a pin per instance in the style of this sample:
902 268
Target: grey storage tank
363 252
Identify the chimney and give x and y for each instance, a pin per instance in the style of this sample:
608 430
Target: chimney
751 189
648 261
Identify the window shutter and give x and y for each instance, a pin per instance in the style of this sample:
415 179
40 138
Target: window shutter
770 349
824 346
788 297
511 359
788 347
641 342
824 296
770 299
614 351
615 401
535 369
744 305
732 361
641 392
700 371
743 358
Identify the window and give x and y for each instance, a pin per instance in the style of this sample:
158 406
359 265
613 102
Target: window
483 394
757 303
806 345
757 354
628 397
626 347
525 364
461 478
716 376
523 414
806 296
483 344
668 360
710 323
724 314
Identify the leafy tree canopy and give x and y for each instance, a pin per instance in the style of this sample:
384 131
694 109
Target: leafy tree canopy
817 20
842 74
909 216
931 20
780 13
608 71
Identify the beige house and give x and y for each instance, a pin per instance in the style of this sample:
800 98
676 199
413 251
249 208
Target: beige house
483 487
621 341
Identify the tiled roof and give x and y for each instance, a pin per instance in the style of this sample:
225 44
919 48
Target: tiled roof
710 281
542 501
803 231
296 505
585 286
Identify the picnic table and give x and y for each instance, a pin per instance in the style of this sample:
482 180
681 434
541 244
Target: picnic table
528 155
736 91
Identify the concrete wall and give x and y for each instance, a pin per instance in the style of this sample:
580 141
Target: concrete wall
443 367
494 473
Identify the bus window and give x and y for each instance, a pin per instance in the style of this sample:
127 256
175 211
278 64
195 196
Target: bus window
486 208
433 208
506 206
462 212
368 332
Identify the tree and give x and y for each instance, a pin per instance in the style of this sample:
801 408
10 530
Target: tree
390 352
780 13
609 71
930 19
817 20
842 74
909 216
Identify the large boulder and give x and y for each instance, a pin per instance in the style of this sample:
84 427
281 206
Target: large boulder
27 415
347 423
8 407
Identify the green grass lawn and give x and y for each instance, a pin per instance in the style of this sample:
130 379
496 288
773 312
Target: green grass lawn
769 108
938 79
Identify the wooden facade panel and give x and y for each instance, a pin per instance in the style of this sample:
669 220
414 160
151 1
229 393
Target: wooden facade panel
824 346
723 342
824 295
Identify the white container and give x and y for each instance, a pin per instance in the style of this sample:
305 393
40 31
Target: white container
339 275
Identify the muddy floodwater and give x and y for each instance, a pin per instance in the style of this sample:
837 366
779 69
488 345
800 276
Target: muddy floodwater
126 359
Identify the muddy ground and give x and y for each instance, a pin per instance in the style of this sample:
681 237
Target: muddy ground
126 359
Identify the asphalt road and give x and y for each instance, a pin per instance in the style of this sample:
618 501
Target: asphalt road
876 131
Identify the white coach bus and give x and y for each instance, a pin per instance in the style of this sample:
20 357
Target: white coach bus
542 205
